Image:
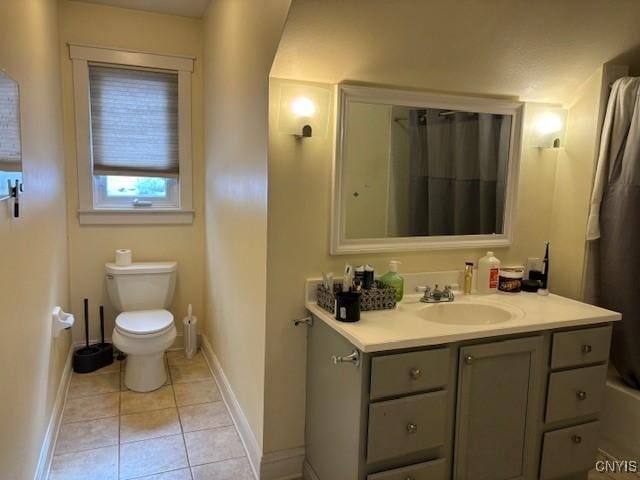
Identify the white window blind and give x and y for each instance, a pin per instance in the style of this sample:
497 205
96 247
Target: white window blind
10 149
134 121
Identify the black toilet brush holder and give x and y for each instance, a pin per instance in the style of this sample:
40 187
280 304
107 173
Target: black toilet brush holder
92 357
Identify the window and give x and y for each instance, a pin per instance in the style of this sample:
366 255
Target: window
134 137
133 120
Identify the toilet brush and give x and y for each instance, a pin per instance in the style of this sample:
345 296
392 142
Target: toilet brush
84 358
106 354
92 357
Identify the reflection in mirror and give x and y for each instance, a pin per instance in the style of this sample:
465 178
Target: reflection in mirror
10 145
424 171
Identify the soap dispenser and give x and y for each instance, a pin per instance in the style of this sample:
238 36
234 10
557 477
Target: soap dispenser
393 279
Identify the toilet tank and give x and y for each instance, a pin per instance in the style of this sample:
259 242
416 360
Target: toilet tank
141 286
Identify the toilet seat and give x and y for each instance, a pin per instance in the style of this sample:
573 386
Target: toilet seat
144 322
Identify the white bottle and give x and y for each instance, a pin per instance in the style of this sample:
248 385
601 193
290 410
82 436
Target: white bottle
488 272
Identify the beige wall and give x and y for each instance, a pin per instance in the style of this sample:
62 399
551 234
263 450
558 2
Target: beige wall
92 246
298 248
574 179
241 40
33 253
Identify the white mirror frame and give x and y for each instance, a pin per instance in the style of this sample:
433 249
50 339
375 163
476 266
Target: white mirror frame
352 93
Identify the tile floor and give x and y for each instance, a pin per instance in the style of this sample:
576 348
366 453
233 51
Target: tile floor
182 431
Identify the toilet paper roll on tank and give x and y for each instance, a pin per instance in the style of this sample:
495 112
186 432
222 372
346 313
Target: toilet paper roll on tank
123 257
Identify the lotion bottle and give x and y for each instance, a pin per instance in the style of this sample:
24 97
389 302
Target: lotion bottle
488 272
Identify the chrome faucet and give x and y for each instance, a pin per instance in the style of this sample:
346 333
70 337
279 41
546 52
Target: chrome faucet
436 295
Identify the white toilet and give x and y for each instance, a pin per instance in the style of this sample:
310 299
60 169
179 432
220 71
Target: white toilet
144 330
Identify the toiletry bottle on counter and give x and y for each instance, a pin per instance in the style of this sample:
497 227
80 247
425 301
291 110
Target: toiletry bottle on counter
468 277
488 273
394 280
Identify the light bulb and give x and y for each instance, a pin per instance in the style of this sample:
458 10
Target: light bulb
302 107
548 123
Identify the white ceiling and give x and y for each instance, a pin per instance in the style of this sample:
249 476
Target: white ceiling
532 49
186 8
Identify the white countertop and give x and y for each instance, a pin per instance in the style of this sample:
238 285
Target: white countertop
382 330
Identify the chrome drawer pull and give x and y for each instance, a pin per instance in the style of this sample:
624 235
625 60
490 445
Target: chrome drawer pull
587 348
409 478
412 428
415 373
468 359
581 395
576 439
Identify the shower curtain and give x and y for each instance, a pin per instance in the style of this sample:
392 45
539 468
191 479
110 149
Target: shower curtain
614 224
458 163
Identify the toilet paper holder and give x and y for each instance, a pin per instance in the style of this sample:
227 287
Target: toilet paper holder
61 321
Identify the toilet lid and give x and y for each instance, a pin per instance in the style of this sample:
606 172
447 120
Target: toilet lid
144 321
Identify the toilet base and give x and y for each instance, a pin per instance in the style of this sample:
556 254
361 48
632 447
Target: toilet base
145 368
144 373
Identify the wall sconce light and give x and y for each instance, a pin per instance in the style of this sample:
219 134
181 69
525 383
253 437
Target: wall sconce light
304 110
549 129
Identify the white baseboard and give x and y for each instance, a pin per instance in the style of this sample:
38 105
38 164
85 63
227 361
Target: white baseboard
308 473
51 435
239 419
280 465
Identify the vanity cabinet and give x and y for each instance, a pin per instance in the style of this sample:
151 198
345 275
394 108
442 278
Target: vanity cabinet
498 409
521 406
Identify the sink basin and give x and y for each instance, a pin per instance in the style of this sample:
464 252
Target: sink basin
467 313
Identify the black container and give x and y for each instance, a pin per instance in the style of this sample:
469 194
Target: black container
367 279
536 275
348 306
92 357
531 285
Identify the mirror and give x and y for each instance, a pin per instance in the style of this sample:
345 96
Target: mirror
417 171
10 144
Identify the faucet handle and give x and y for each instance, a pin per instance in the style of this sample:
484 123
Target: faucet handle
448 292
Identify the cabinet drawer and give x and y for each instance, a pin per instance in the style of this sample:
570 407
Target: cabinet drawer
569 451
575 393
406 425
580 347
409 372
434 470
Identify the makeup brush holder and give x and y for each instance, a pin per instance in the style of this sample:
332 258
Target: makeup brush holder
91 358
379 297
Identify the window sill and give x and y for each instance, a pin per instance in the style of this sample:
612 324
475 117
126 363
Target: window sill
135 217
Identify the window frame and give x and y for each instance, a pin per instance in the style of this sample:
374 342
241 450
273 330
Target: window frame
88 211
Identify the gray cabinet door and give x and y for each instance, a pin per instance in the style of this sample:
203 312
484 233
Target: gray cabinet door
498 409
335 430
